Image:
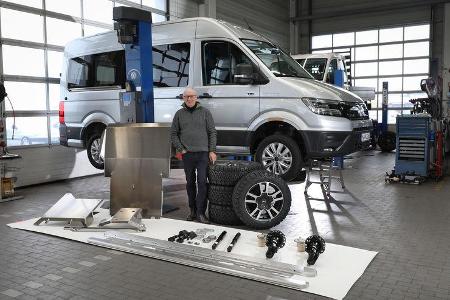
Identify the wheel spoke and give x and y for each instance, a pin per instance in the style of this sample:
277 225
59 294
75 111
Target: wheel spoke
270 214
255 211
261 188
252 195
286 151
274 194
259 215
274 209
250 201
272 147
277 199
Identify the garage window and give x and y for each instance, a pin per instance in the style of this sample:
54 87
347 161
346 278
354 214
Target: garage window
32 55
399 55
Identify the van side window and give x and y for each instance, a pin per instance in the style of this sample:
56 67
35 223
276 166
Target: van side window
171 65
79 69
219 62
109 68
97 70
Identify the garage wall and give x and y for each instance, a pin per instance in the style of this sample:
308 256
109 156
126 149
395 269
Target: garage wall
46 164
181 9
388 17
271 18
328 16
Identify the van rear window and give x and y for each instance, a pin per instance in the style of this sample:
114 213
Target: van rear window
97 70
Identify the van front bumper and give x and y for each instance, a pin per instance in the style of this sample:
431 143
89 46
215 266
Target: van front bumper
323 144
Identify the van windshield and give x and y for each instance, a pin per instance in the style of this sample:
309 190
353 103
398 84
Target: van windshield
281 64
316 67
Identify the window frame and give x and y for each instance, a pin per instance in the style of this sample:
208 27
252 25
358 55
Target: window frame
230 42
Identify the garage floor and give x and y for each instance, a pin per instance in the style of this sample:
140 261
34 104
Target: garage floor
407 224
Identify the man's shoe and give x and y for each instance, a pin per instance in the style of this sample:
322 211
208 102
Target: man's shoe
192 216
202 219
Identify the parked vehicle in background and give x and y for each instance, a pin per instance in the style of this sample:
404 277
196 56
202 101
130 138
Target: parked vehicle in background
262 101
322 67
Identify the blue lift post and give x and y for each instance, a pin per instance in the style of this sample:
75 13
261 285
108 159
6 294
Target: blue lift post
338 161
134 31
384 108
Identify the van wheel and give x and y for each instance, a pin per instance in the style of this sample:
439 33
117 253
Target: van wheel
261 200
93 150
280 155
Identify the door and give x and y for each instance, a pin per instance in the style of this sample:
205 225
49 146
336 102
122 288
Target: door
171 69
233 103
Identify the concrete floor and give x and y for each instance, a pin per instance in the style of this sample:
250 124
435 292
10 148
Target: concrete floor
408 225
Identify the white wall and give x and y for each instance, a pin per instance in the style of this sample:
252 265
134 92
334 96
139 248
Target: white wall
46 164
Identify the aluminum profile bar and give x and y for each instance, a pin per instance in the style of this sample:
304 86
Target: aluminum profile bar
262 270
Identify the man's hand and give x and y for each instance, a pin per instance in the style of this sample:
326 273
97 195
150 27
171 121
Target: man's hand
179 155
212 157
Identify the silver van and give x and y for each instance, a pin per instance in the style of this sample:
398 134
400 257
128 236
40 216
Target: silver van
263 102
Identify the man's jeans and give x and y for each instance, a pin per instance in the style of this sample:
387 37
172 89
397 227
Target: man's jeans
196 161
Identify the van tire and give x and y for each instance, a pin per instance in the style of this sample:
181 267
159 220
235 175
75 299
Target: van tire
228 172
387 141
93 142
220 195
287 142
223 214
261 200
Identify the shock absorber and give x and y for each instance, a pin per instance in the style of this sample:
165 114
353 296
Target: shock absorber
275 240
314 246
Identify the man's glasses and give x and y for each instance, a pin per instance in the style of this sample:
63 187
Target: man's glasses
189 96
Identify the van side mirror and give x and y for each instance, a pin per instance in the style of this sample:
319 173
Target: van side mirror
244 74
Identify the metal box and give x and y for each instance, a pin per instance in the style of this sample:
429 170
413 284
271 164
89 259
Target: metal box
137 157
412 156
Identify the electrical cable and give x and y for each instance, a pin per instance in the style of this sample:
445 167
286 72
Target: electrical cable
14 117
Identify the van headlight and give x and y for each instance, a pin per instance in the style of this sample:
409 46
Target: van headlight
323 106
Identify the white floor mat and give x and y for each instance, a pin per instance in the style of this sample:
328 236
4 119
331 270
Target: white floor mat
338 268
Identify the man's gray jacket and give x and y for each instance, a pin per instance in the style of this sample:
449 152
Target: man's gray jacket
193 130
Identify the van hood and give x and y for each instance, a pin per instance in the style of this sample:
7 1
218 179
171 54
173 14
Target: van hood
317 89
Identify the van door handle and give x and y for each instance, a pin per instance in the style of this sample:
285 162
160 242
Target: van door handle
180 96
205 95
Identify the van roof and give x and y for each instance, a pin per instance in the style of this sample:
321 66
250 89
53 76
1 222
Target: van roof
328 55
170 30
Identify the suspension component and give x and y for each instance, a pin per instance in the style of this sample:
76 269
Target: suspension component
275 240
314 246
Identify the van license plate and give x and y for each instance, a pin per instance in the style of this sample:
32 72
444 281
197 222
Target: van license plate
365 136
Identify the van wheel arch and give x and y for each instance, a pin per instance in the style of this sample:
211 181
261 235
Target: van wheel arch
91 139
286 134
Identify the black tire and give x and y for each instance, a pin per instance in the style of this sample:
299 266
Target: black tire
228 172
97 162
223 215
301 176
220 195
387 141
296 156
250 184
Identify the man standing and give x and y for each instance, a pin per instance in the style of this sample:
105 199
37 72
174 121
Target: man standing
193 134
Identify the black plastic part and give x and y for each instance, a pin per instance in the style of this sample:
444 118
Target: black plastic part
122 13
219 239
233 242
342 142
314 246
275 240
3 93
180 237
